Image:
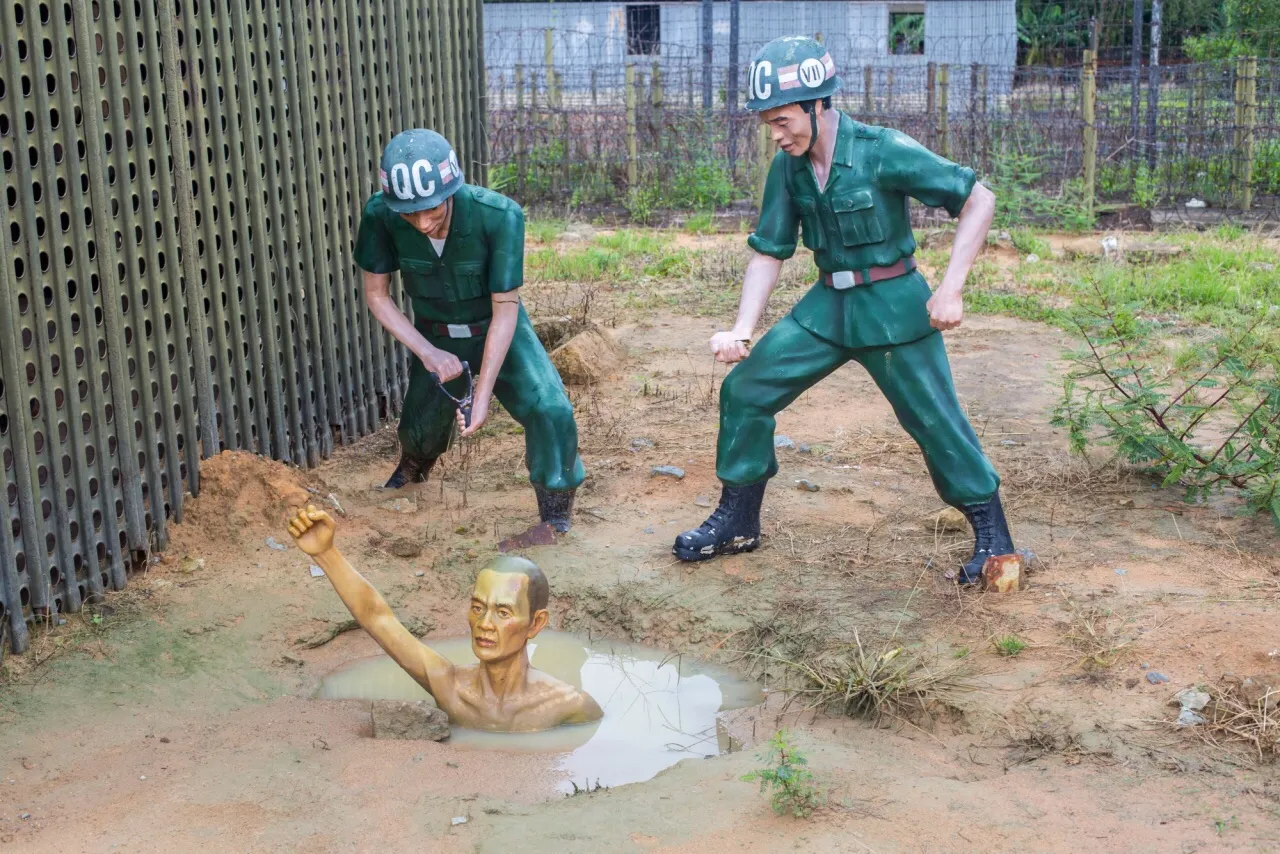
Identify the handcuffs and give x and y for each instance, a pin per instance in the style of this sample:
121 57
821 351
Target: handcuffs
463 404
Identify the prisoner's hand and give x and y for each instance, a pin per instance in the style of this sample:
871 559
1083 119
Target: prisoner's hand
313 529
443 364
728 347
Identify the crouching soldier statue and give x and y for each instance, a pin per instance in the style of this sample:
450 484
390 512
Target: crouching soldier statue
460 252
846 185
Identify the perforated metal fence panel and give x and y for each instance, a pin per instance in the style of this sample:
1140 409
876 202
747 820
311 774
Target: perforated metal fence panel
182 183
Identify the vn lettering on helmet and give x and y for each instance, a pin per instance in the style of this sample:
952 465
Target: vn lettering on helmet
761 88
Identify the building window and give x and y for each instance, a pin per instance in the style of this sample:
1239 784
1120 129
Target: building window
906 30
644 30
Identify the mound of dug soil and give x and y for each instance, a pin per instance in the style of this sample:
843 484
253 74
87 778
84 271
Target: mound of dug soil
242 493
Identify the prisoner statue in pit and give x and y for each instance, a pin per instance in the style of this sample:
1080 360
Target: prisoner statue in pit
501 692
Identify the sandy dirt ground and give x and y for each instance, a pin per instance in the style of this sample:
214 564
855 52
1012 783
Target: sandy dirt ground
178 718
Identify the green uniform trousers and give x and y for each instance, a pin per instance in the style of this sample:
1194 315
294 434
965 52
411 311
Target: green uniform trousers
915 377
528 386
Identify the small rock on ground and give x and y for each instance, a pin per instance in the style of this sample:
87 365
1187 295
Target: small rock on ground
703 501
807 485
783 442
409 720
669 471
404 547
1157 678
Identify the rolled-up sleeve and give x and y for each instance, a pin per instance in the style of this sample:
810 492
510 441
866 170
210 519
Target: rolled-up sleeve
779 224
506 252
375 250
909 168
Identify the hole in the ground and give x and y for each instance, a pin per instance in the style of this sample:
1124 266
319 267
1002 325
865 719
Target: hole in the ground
659 708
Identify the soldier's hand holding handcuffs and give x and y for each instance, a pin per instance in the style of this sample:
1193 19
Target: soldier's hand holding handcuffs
442 363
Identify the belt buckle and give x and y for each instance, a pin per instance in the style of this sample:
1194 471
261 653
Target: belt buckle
842 280
459 330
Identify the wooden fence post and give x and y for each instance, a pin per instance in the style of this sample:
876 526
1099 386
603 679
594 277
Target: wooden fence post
931 102
1249 115
521 150
631 126
868 105
888 91
656 92
944 119
764 155
1088 105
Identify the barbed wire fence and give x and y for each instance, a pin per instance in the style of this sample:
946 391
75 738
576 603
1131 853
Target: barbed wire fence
636 109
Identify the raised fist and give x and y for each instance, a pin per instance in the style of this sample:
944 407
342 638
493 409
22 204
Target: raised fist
313 530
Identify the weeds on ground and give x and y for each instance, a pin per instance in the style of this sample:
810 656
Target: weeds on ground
892 684
1009 645
1096 635
1207 418
1027 243
793 790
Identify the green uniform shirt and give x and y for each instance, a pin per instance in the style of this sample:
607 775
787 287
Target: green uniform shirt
483 255
860 220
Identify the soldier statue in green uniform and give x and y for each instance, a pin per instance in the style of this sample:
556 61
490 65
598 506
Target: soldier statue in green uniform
845 185
460 252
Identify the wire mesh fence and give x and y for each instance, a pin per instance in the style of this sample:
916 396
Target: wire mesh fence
182 183
592 106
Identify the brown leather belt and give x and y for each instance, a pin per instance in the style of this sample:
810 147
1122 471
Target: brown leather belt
453 330
877 274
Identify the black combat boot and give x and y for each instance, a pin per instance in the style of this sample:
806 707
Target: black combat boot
732 527
555 507
410 470
990 536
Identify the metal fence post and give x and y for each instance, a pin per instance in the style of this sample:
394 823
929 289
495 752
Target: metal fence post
1135 71
521 146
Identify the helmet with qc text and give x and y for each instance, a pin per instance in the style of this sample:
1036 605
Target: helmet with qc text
419 171
790 70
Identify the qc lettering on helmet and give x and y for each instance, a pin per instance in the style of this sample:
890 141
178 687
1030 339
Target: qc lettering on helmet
760 85
400 181
419 168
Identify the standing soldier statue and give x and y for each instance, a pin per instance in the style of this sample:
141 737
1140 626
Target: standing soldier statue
847 185
460 252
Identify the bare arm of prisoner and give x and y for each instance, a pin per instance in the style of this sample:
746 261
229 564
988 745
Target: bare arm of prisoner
313 530
506 312
758 283
946 308
377 295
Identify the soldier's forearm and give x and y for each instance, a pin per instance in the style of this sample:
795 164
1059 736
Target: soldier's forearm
758 283
971 234
506 313
394 321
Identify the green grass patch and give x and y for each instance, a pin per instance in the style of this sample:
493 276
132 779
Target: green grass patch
1010 645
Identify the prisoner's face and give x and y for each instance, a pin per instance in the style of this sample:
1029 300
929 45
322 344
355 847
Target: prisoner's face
499 617
432 222
790 127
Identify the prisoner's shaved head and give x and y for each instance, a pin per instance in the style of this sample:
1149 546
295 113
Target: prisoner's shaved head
539 591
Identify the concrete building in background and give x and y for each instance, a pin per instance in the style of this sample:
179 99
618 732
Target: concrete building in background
891 37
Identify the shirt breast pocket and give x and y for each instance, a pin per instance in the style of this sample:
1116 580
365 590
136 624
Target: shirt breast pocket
856 216
468 280
422 278
812 225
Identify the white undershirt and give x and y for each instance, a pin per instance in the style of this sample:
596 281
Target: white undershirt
438 244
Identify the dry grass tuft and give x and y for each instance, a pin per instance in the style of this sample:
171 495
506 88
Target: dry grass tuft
1244 712
1096 634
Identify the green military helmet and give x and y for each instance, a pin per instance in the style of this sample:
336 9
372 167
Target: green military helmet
789 70
419 171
